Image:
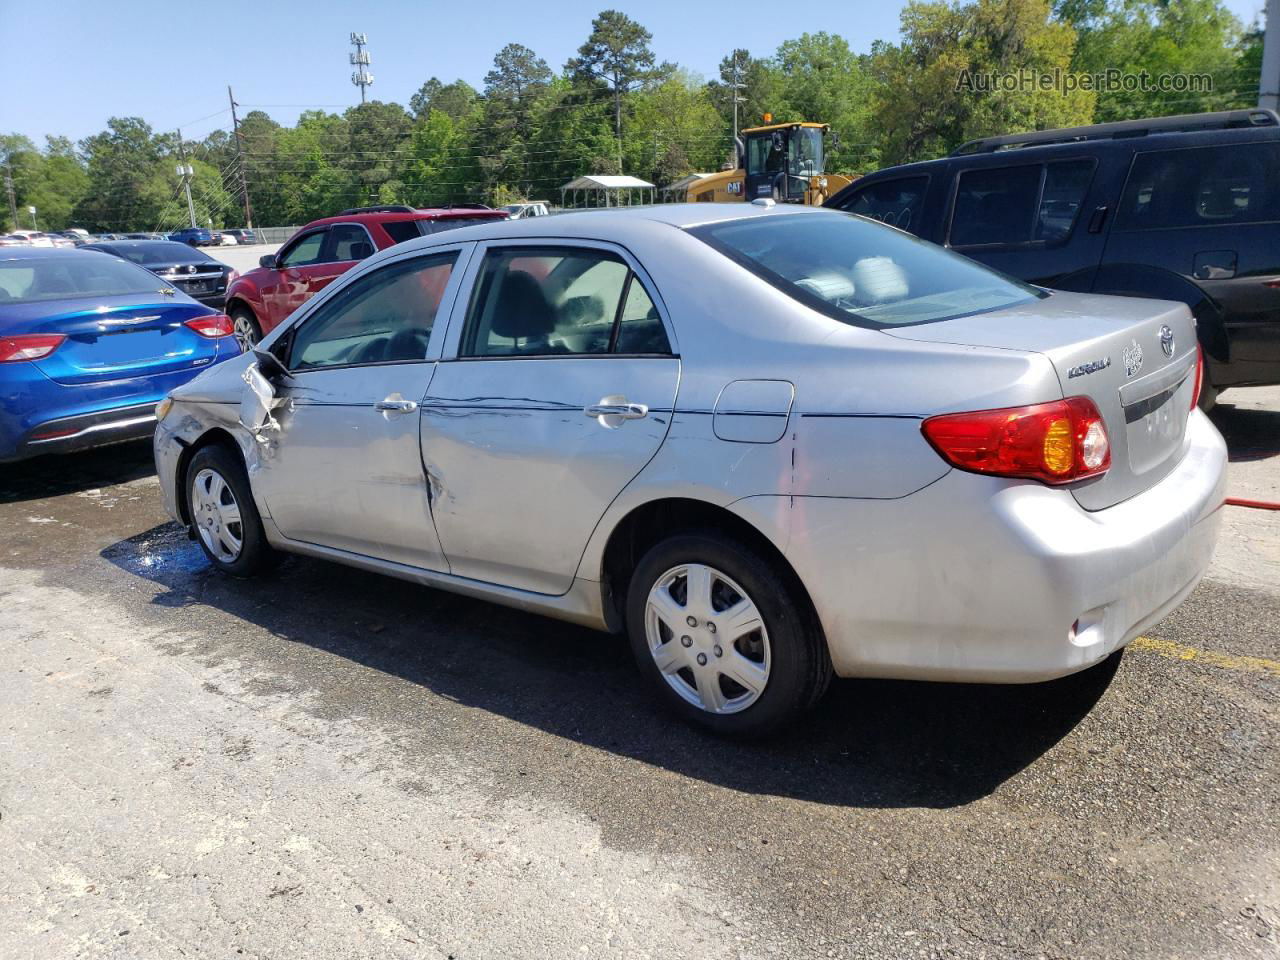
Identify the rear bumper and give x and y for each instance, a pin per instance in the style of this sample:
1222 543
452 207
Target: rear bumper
984 580
83 432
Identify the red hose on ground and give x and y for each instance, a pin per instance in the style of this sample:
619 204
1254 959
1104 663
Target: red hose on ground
1254 504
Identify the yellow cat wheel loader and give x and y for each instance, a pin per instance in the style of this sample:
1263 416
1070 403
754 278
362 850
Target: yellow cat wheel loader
781 161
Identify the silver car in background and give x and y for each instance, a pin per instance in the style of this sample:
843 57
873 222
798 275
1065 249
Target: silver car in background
771 444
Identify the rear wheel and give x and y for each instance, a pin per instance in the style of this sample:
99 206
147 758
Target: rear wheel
223 513
721 635
246 327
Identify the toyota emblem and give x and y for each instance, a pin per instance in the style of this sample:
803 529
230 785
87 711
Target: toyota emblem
1166 340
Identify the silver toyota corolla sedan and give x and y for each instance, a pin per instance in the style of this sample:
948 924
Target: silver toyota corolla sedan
770 444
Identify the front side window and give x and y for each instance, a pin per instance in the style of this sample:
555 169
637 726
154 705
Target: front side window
1202 186
860 272
895 202
384 317
348 242
1019 205
306 251
549 301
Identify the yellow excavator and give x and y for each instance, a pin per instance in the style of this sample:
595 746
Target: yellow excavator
780 161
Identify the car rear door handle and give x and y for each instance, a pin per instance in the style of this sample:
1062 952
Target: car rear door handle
612 411
395 404
627 411
1096 221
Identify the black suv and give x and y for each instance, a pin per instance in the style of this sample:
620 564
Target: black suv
1178 208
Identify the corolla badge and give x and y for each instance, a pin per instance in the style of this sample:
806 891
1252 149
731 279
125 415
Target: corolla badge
1166 340
1093 366
1132 357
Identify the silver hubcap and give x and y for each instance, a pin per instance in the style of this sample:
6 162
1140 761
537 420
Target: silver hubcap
708 638
245 332
216 514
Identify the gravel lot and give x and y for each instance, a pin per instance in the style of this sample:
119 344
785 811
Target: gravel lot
332 764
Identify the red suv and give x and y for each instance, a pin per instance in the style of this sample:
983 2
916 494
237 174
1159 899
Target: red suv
259 300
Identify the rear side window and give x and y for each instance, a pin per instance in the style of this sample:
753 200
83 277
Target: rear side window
1202 186
401 230
895 202
557 301
452 223
1019 205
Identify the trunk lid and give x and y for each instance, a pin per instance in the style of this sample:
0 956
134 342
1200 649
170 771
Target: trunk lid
1117 352
113 340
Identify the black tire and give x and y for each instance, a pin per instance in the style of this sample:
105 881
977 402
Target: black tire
248 330
800 667
254 554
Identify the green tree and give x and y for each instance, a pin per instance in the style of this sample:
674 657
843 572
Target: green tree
826 82
759 88
931 93
456 99
1164 37
617 55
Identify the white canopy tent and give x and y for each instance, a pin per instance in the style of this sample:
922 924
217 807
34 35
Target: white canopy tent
605 190
673 192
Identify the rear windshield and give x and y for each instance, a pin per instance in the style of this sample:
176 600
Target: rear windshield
862 272
70 278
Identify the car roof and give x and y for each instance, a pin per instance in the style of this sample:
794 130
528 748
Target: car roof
427 213
611 224
48 253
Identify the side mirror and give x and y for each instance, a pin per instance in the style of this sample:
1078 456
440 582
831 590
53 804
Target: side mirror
256 402
267 260
269 365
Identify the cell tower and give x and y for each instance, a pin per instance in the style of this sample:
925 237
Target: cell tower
360 60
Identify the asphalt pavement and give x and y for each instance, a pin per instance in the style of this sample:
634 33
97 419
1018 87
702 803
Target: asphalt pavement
327 763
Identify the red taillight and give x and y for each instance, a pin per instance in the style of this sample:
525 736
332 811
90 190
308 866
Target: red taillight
213 326
1199 380
29 346
1054 442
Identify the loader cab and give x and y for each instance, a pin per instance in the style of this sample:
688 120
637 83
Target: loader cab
782 159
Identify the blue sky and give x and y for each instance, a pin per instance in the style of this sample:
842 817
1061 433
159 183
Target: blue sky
69 65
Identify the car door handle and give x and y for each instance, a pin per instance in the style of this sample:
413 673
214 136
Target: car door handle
621 409
395 404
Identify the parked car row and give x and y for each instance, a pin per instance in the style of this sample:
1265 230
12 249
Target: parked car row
75 237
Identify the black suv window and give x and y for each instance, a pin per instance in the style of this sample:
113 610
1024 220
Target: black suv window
1202 186
1019 205
401 230
348 241
895 202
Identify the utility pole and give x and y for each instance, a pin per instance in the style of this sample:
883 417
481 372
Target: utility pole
1269 81
360 60
244 183
8 186
185 171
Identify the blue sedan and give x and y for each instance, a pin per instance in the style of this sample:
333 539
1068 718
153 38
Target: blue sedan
89 344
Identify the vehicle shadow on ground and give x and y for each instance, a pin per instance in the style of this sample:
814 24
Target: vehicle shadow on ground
870 742
55 475
1251 433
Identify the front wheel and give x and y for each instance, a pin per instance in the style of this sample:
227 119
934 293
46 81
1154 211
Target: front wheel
246 328
222 512
727 642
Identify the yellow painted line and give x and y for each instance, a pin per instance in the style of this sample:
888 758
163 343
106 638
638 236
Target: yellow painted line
1227 661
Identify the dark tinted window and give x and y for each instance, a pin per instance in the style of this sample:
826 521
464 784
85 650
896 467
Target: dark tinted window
995 206
1202 186
1013 205
401 230
452 223
1065 186
549 301
384 317
895 202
